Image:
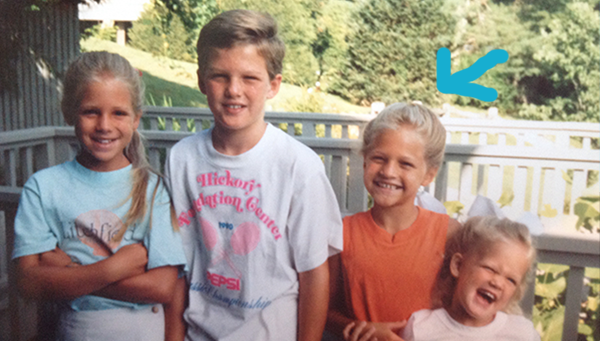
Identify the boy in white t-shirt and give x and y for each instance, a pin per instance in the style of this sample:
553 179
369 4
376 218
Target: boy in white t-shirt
257 214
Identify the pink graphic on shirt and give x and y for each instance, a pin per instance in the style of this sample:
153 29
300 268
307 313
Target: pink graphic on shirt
97 228
209 234
244 240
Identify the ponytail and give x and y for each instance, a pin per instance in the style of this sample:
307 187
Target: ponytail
141 169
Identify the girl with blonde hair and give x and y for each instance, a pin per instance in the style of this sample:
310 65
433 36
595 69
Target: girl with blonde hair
96 234
485 271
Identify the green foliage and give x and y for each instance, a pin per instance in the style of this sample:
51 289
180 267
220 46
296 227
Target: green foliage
309 101
570 59
102 33
167 102
549 309
453 208
154 33
554 64
331 46
40 5
506 198
587 209
179 95
313 30
386 49
298 29
193 13
483 28
162 121
392 52
177 80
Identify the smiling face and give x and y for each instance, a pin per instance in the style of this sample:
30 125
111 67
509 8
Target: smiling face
236 84
486 281
395 167
105 124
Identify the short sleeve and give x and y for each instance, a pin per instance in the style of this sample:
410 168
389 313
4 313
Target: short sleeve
407 332
163 242
33 234
315 223
535 336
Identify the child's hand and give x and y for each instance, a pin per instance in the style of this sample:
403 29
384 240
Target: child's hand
56 257
130 260
371 331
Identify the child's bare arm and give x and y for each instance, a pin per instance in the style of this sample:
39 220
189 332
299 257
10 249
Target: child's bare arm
313 300
174 324
153 286
56 257
40 281
336 320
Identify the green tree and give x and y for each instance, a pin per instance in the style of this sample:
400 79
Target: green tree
392 51
570 58
154 33
554 48
193 13
313 30
483 26
330 48
298 29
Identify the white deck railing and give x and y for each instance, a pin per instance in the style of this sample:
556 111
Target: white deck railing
531 171
543 135
310 122
470 131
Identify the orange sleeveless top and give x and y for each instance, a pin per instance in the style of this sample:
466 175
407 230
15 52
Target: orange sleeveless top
387 278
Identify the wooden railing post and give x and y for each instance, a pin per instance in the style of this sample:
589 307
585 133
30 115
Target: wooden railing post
573 303
357 194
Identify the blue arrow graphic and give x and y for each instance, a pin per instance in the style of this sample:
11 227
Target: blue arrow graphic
460 82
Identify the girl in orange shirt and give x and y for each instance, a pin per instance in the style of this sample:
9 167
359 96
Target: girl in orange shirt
392 253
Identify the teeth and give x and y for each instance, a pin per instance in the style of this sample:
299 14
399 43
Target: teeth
487 295
384 185
234 106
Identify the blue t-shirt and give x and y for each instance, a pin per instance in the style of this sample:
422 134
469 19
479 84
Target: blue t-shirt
80 210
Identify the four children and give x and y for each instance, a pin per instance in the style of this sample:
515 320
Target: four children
257 215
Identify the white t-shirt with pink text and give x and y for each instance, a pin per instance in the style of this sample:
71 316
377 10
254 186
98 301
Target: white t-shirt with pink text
250 223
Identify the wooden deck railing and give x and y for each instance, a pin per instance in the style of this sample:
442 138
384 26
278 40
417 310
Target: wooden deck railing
532 172
469 131
309 122
534 134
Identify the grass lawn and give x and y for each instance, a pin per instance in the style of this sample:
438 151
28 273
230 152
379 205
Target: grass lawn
174 82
